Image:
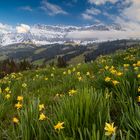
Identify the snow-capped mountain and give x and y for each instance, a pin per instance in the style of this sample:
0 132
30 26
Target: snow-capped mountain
48 34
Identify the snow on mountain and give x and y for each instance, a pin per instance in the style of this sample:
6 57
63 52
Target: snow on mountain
47 34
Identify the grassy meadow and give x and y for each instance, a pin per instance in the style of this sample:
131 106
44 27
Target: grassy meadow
94 101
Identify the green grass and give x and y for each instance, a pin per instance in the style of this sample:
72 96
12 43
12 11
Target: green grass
83 113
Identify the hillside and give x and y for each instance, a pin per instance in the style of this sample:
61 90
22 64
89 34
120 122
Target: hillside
95 101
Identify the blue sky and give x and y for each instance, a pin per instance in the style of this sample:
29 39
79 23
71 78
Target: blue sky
67 12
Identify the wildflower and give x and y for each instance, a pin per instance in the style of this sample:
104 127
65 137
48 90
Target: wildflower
69 71
78 73
115 82
113 71
88 73
52 75
41 107
106 67
138 63
110 129
73 69
72 92
107 79
20 98
138 75
18 105
138 89
80 78
15 120
136 68
0 90
42 117
64 73
24 85
59 126
138 99
126 65
7 96
119 73
7 89
46 78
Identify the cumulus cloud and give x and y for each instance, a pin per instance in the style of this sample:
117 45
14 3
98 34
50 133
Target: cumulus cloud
99 2
52 9
23 28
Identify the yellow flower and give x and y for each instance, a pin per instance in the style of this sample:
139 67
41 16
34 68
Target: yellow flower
20 98
69 71
138 99
106 67
72 92
139 89
7 89
138 75
64 73
136 68
18 105
113 71
126 65
7 96
78 73
115 82
59 126
80 78
41 107
110 129
138 63
119 73
107 79
52 75
88 73
24 85
42 117
73 69
0 90
15 120
46 78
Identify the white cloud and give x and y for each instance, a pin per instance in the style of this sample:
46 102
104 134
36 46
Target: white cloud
87 16
52 9
26 8
23 28
99 2
89 13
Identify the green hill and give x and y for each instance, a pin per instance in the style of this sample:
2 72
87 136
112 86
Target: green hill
94 101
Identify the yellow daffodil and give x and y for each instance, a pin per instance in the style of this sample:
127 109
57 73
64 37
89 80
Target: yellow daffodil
20 98
138 75
24 85
107 79
15 120
7 89
110 129
78 73
46 78
115 82
59 126
18 105
119 73
138 99
88 73
64 73
42 117
41 107
138 63
69 71
52 75
72 92
126 65
138 89
80 78
7 96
